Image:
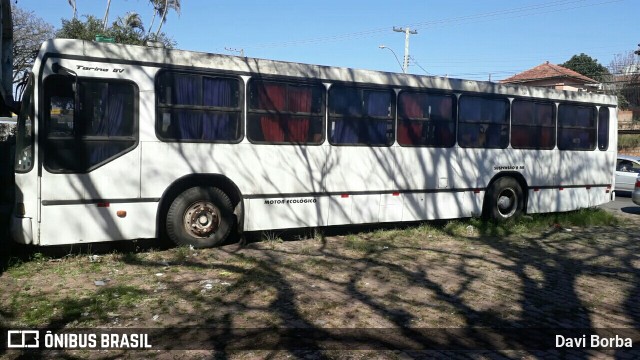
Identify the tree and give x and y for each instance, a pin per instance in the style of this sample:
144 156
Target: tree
624 80
587 66
125 30
162 7
29 32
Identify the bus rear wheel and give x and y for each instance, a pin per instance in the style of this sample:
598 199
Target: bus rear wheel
504 200
200 217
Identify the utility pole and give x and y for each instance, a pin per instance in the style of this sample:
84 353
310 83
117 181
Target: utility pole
407 31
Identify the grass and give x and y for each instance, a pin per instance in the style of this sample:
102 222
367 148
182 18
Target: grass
628 141
244 274
524 224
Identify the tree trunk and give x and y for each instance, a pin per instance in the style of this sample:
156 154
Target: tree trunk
106 16
164 15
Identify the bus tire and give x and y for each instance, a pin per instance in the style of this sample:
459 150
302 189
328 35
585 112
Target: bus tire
200 217
505 199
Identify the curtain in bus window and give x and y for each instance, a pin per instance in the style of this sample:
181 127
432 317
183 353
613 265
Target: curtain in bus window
271 128
186 90
109 122
345 131
378 104
216 125
298 129
346 102
217 92
410 131
189 125
410 105
271 96
300 100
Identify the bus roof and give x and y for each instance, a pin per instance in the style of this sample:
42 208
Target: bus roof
164 57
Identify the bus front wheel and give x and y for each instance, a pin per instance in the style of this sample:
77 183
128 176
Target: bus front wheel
505 199
200 217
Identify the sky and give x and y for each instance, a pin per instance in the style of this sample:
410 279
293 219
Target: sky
469 39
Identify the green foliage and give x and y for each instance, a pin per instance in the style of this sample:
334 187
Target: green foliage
587 66
628 141
120 31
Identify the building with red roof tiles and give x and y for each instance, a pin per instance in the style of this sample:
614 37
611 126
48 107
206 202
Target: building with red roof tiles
553 76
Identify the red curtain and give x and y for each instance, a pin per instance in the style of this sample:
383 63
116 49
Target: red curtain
272 97
410 106
298 129
271 128
409 132
300 99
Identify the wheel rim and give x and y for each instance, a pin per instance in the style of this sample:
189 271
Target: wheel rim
507 202
201 219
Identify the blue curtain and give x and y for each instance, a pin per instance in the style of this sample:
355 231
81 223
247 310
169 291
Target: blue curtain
189 125
378 104
346 102
109 123
199 125
217 126
345 131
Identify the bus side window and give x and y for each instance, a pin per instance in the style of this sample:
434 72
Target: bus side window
361 116
483 122
576 127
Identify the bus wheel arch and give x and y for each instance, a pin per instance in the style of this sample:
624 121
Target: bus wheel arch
213 181
505 197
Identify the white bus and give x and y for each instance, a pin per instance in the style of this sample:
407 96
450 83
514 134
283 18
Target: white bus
124 142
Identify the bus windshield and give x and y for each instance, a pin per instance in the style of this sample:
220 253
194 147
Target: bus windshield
24 136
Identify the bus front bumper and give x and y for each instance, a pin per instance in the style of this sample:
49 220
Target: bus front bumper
22 230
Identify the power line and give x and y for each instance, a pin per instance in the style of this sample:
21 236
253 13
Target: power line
488 16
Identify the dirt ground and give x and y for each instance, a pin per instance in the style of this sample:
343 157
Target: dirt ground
419 291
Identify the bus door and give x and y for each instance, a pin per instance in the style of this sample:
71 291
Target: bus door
90 157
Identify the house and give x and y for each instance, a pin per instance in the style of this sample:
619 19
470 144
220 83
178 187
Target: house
553 76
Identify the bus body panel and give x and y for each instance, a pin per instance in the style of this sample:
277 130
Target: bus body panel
360 169
86 223
422 168
117 179
255 170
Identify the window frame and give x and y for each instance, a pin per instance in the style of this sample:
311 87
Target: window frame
483 96
454 118
169 107
46 119
287 82
594 128
361 88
